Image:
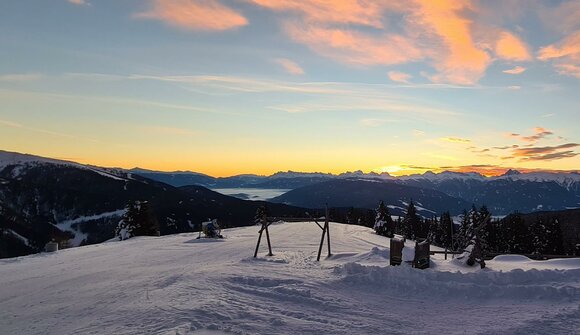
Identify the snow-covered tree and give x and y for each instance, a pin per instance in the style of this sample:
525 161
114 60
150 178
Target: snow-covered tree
384 224
411 222
138 220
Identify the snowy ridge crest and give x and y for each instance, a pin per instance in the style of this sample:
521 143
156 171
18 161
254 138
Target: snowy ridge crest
23 162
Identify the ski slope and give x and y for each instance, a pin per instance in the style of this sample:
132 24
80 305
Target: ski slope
180 285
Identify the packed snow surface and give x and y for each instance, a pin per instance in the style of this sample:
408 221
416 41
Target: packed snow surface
181 285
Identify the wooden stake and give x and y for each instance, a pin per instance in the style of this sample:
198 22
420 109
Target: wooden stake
259 239
328 231
269 245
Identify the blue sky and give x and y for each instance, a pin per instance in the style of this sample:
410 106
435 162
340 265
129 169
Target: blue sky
257 86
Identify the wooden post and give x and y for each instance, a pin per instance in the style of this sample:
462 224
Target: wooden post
259 239
321 243
325 231
269 245
327 224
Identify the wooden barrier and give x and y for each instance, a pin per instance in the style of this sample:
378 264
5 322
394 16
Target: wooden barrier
422 258
396 252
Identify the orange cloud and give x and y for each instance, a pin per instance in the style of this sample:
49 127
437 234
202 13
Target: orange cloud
540 133
458 60
204 15
510 47
400 77
366 13
565 55
290 66
515 70
354 47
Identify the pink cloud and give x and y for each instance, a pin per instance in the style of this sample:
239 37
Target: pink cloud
400 77
79 2
565 55
203 15
349 46
290 66
365 13
515 70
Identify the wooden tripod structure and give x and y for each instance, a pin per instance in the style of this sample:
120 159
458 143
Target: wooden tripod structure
265 222
265 225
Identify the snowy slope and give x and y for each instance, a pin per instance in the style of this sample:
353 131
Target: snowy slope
179 285
22 162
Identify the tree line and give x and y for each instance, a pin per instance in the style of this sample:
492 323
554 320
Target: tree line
510 235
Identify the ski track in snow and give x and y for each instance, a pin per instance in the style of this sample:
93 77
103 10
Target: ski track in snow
179 285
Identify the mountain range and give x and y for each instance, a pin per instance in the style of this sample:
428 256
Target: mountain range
512 191
43 199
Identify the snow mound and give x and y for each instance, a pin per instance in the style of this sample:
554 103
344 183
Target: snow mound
482 285
511 258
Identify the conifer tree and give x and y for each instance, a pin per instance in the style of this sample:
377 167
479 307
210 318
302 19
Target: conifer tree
555 244
138 220
517 235
384 224
540 236
445 230
411 222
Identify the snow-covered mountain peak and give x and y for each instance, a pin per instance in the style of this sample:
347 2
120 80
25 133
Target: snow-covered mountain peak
14 158
294 174
564 179
511 172
445 175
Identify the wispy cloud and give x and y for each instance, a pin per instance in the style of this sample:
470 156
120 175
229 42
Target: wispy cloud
203 15
565 55
163 130
20 77
538 134
400 77
455 140
374 122
515 70
12 124
418 133
546 153
290 66
79 2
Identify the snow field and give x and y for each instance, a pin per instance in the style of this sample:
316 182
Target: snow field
179 285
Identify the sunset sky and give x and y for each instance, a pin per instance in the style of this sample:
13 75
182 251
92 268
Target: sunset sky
258 86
